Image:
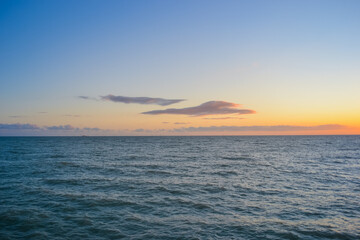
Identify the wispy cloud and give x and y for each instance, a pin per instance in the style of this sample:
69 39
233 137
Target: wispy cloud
71 128
92 129
18 126
208 108
141 100
16 116
276 128
26 129
148 131
88 98
61 127
141 130
72 115
68 127
177 123
223 118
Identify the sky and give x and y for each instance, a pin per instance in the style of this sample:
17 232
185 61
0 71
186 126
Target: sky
188 67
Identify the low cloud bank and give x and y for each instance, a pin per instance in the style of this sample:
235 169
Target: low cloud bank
62 127
277 128
32 129
26 129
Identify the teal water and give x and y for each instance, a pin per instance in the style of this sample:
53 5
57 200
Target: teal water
280 187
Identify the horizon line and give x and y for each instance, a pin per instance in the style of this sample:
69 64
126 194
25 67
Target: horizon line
259 135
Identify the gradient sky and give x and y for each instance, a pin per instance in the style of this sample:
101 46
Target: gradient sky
179 67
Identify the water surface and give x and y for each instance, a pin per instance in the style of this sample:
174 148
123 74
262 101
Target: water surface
281 187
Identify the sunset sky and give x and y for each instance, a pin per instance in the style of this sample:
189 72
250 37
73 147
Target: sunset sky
179 67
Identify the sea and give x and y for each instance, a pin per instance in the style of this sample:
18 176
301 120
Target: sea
188 187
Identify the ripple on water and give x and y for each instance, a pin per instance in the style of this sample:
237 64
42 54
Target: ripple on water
240 158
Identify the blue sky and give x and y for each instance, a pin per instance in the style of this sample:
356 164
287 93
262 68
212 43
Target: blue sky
293 62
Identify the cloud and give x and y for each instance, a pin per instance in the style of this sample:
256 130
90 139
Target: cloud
141 100
276 128
176 123
148 131
137 100
16 116
223 118
27 126
72 115
84 97
71 128
61 127
91 129
27 129
208 108
18 126
88 98
141 130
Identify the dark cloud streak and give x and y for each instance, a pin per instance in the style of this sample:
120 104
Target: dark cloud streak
141 100
85 97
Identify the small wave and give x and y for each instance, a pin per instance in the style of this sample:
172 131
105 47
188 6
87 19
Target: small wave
260 143
37 235
226 173
328 234
238 158
63 181
55 156
108 232
282 234
93 200
169 190
110 202
224 165
345 157
16 152
214 189
190 203
159 172
348 149
67 164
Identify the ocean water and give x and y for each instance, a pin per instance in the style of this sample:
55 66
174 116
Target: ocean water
272 187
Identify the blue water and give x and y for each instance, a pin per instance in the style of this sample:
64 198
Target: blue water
281 187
